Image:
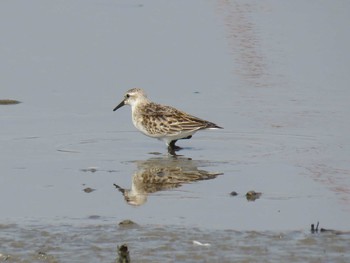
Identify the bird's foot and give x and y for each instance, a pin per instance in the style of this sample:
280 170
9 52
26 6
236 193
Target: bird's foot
172 148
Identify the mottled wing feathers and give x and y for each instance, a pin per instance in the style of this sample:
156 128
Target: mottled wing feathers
161 119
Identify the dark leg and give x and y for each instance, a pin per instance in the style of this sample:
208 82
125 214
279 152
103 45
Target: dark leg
171 151
172 147
172 144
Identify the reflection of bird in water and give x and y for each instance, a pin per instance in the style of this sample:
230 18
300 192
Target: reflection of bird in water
162 174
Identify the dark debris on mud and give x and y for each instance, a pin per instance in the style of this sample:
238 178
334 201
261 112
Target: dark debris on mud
8 102
250 195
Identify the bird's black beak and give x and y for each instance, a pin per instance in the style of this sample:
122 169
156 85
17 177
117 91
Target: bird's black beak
119 106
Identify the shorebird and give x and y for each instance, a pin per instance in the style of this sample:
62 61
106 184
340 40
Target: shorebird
160 121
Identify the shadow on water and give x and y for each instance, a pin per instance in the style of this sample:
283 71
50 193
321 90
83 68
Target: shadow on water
159 174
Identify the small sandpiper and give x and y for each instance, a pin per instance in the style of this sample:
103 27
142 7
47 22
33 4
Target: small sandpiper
160 121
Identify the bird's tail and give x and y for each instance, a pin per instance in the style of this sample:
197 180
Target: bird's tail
213 126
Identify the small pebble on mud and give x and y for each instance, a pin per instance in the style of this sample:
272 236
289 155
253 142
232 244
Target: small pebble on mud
233 193
88 190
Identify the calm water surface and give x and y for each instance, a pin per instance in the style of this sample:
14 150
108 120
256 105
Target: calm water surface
272 73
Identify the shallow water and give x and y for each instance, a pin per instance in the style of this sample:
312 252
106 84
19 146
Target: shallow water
272 73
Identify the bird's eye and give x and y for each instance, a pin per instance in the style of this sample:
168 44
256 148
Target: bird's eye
127 96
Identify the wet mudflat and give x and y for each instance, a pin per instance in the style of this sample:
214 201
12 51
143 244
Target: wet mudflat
97 242
272 74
